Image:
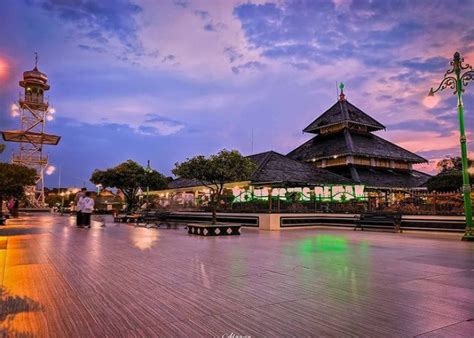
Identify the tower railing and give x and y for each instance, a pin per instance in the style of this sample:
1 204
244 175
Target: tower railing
33 99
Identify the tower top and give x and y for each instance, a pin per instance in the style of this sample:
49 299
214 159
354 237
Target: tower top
35 78
36 61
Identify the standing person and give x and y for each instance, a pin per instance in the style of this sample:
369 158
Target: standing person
87 209
16 206
11 205
78 200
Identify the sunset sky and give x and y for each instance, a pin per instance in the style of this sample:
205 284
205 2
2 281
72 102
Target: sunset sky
165 80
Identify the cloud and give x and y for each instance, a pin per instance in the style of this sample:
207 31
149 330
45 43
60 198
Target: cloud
156 124
168 58
92 48
232 54
300 65
288 56
434 64
214 26
345 29
181 3
98 20
201 14
421 126
249 66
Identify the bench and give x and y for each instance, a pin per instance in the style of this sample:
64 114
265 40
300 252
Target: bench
128 218
379 220
156 218
3 218
214 230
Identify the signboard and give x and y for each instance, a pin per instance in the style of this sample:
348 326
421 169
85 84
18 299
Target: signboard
331 193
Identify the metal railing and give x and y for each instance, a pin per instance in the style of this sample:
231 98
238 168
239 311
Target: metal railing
408 202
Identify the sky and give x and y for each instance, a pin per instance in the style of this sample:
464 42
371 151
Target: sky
164 80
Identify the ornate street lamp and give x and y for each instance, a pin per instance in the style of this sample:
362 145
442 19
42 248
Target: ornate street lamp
455 79
148 171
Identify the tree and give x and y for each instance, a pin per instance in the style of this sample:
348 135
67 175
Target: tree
445 182
451 164
214 171
13 180
129 177
450 175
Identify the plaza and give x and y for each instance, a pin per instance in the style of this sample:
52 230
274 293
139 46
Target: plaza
122 280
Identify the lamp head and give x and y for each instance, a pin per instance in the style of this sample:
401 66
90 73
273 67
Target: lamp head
431 93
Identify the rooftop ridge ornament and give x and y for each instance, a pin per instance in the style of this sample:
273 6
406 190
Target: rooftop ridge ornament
454 79
148 167
342 97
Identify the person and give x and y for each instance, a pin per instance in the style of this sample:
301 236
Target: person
87 209
78 200
11 205
16 206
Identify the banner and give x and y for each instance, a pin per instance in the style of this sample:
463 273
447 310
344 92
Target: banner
331 193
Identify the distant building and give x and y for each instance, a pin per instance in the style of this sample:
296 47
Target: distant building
345 145
345 158
107 201
274 172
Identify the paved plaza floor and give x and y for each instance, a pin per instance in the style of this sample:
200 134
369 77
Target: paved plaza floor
118 280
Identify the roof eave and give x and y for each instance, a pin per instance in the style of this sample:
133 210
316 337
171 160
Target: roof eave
315 130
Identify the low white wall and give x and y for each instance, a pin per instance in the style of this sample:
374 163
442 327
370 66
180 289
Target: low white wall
271 222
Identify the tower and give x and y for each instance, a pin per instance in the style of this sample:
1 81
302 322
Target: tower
33 110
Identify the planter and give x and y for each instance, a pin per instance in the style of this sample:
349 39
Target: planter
214 230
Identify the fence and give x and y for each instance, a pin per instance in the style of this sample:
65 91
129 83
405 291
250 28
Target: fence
409 202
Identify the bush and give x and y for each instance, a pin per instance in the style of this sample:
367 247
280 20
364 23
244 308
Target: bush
445 182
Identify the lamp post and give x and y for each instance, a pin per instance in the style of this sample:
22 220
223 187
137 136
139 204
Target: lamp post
454 78
62 203
148 171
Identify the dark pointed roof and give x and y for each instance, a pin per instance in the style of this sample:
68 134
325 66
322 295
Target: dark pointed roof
352 143
277 168
183 183
384 177
343 111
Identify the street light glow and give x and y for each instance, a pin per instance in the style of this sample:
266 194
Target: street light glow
431 101
50 113
14 110
50 170
3 69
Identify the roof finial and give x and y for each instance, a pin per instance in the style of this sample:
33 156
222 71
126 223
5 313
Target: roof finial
342 97
148 167
36 60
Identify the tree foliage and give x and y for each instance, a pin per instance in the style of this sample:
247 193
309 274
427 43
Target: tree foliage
129 177
13 180
450 175
446 182
214 171
451 164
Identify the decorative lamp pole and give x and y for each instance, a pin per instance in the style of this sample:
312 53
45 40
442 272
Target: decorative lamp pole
62 202
455 79
148 171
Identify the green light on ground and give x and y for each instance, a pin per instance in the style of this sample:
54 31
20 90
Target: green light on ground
322 243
